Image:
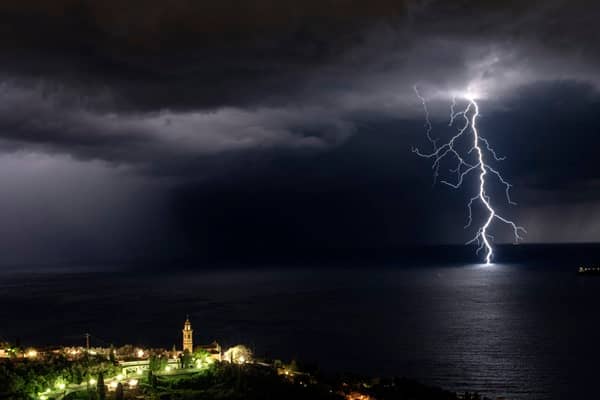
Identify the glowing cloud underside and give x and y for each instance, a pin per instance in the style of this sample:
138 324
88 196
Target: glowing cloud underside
471 161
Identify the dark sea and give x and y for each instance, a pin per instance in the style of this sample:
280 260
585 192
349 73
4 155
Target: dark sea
523 330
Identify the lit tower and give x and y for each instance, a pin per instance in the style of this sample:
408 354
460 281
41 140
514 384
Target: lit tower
188 343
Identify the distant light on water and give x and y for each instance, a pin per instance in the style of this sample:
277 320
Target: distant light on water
486 265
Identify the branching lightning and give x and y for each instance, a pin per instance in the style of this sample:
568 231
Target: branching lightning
473 161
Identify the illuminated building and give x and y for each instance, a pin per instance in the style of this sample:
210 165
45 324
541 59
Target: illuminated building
188 341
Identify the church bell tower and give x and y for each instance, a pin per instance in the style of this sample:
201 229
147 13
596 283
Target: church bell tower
188 343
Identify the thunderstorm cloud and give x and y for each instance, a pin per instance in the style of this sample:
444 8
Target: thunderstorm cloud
293 119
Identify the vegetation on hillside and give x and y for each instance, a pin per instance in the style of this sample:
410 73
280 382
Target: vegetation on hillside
24 378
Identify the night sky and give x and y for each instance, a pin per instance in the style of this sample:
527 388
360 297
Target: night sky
157 130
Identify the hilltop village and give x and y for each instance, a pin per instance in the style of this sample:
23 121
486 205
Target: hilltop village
191 372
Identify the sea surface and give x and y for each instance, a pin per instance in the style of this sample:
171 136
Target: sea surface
523 331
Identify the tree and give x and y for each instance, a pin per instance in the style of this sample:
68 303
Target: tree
163 361
77 373
201 354
238 354
111 354
119 392
101 388
151 379
186 359
154 363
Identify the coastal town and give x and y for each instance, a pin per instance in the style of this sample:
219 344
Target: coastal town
130 353
130 363
192 371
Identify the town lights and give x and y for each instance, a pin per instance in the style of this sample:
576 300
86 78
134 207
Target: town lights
140 353
32 353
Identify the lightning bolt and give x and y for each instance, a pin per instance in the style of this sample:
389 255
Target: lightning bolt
473 161
428 129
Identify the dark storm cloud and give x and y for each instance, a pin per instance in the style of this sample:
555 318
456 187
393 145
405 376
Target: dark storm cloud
183 53
125 82
53 123
206 54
